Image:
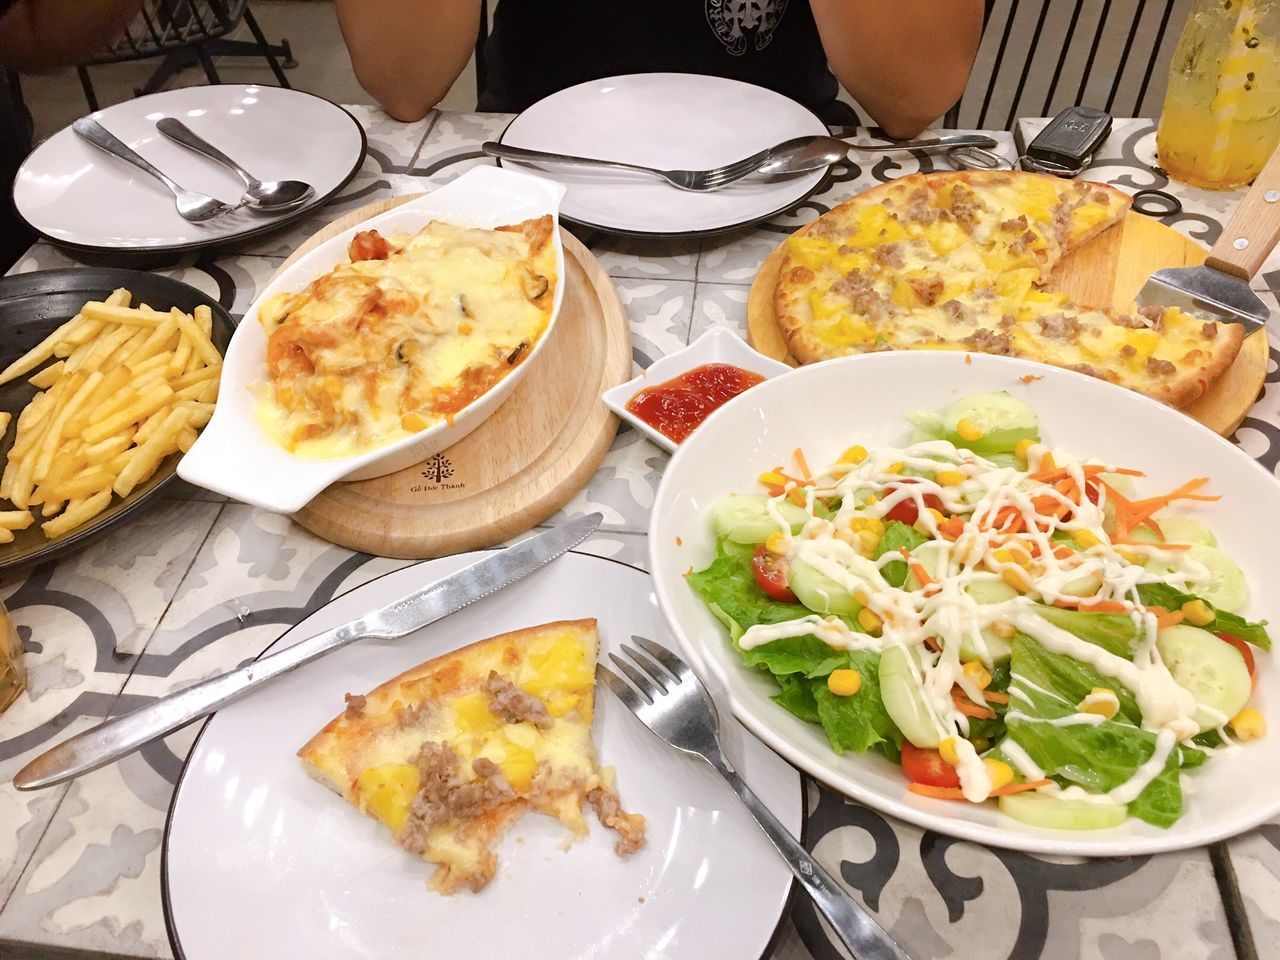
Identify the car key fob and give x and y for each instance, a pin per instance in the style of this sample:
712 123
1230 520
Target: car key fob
1066 145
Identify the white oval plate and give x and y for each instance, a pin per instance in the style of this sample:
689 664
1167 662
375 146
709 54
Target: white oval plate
673 121
73 193
262 861
825 408
717 345
234 456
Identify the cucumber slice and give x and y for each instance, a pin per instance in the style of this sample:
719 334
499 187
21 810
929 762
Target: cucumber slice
1083 586
904 701
1186 530
927 555
1057 813
745 519
1211 669
1003 420
987 592
819 592
1226 588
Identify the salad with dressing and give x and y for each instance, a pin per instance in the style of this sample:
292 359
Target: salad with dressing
1003 619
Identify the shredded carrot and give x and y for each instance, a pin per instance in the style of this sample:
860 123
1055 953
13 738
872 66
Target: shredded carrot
1102 606
955 793
1063 553
797 496
920 572
1167 618
1006 520
995 696
969 708
951 528
803 464
1131 514
1030 377
932 644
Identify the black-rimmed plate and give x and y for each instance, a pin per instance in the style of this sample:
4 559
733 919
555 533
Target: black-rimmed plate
33 305
74 194
669 121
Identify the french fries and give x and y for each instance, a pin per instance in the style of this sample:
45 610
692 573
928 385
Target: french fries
129 386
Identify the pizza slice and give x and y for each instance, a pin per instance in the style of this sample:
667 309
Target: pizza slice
964 261
451 752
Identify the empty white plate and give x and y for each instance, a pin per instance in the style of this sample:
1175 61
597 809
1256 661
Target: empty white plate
261 861
673 121
74 194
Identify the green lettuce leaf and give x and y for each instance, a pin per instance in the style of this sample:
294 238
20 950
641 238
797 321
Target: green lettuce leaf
859 722
1113 632
729 588
896 536
1047 686
807 656
1163 595
796 695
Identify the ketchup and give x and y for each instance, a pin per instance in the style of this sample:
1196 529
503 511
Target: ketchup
676 407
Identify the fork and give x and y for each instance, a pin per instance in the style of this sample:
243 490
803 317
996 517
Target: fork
668 698
696 181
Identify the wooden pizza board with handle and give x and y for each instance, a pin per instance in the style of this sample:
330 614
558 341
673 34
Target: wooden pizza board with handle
518 467
1107 271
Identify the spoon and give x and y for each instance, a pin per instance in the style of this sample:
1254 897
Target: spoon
267 196
802 154
192 206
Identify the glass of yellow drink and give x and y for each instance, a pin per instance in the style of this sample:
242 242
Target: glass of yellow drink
1221 116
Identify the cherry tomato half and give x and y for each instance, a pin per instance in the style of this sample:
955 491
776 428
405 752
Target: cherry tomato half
1243 648
770 571
928 767
907 511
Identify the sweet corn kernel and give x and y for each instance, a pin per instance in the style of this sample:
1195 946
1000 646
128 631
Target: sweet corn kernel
968 431
872 498
1102 701
1012 555
894 467
1004 629
776 543
772 478
844 683
873 524
1001 773
464 328
949 478
1016 578
869 540
976 672
868 621
947 748
1249 725
1021 448
1197 613
1085 539
1129 556
855 454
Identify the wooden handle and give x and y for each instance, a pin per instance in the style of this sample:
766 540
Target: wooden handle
1254 228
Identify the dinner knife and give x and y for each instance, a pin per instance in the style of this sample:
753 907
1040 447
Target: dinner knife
117 737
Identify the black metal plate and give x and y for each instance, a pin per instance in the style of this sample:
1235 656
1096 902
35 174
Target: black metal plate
33 305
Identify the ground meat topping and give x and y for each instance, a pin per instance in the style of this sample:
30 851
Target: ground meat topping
1154 313
1209 331
889 255
1015 225
630 826
966 205
444 796
918 209
989 341
355 705
1059 326
1127 350
1007 321
412 715
1130 321
1091 371
514 705
1160 368
862 296
926 289
844 250
957 312
1100 196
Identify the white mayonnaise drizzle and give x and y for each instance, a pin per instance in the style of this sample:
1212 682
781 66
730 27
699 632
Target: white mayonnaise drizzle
946 615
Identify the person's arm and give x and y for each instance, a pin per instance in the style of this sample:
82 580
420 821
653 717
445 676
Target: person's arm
905 61
37 35
407 53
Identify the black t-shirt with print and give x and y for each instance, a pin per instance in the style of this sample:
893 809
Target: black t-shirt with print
537 47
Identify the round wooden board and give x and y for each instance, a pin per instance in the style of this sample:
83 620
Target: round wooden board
523 463
1110 269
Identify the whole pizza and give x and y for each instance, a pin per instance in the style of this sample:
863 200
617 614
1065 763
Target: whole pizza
960 261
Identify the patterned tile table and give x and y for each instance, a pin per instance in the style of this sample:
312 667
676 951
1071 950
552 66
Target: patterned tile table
199 584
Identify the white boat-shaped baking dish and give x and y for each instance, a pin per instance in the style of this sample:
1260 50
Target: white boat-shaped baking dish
235 456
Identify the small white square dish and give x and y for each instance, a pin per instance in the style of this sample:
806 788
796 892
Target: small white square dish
236 457
717 345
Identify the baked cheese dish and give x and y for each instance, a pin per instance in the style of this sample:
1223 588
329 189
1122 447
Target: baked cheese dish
450 753
961 261
405 335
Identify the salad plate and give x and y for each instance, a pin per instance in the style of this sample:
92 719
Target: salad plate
856 409
251 836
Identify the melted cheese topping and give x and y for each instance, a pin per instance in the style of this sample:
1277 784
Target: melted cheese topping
378 349
952 268
934 620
